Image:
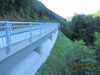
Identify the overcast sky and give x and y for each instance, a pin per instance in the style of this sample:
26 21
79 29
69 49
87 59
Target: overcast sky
67 8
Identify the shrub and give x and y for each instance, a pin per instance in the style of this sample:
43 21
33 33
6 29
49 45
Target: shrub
80 54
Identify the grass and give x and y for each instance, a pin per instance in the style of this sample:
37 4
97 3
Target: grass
68 51
55 61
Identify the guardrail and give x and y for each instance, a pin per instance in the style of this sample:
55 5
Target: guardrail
13 32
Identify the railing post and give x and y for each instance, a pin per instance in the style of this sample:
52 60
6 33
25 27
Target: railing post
30 31
49 27
45 29
40 30
8 37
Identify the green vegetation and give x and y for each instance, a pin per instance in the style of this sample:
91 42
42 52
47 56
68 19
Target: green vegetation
54 63
84 54
83 31
81 54
97 53
82 27
66 51
66 28
96 14
26 10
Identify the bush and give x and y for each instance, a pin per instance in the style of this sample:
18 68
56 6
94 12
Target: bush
97 49
84 27
66 28
80 54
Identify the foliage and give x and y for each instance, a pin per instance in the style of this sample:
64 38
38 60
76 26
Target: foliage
80 54
27 9
66 51
97 41
84 28
81 30
97 49
83 54
54 63
66 28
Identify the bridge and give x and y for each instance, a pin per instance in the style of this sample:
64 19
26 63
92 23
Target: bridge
25 46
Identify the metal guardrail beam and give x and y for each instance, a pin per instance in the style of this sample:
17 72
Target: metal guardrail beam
11 33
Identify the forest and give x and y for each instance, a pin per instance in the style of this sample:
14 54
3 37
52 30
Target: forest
26 10
84 30
82 27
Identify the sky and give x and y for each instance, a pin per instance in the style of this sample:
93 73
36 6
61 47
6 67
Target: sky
66 8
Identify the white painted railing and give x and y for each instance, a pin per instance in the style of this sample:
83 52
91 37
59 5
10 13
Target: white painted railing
13 32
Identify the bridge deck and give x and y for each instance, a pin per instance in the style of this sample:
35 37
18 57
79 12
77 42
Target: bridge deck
17 42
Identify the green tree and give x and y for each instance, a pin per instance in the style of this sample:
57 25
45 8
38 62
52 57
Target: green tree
80 54
97 54
84 28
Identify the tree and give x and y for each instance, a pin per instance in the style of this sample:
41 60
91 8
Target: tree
84 28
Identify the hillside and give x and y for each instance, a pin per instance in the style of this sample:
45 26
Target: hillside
96 14
66 51
55 62
26 10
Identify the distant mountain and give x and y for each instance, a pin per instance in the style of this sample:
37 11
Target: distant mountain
96 14
69 18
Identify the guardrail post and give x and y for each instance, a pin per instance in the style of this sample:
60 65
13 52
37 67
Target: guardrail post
8 37
30 31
